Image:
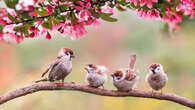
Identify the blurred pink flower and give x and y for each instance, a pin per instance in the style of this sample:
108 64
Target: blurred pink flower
148 3
49 10
154 13
173 18
142 13
187 7
48 36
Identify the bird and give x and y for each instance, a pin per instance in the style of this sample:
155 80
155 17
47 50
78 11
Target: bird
60 68
156 77
125 79
96 75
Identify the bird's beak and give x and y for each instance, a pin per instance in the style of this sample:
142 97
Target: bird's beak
112 75
86 69
72 56
152 69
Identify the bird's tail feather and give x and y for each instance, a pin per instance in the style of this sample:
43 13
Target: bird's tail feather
40 80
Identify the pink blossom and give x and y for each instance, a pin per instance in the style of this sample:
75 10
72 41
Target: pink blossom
49 10
3 22
35 1
107 9
33 13
19 39
96 23
33 31
81 3
32 35
142 14
48 36
154 13
169 1
1 35
90 21
15 37
148 3
3 12
88 5
187 7
77 30
172 18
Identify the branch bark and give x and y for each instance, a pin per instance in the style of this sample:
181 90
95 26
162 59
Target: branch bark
98 91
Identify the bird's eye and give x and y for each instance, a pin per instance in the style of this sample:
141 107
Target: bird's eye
67 53
158 69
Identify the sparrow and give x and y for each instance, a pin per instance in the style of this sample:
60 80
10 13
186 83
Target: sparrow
60 68
96 75
156 78
125 79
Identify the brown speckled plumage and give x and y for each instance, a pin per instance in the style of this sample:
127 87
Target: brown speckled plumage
156 77
61 67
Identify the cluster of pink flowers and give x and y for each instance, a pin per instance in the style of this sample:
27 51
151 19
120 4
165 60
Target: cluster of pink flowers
73 27
187 7
172 17
70 18
141 3
152 14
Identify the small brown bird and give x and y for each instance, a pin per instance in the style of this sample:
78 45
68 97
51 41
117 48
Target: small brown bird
125 79
156 78
60 68
96 75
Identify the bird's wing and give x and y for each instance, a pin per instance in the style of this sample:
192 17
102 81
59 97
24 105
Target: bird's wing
51 66
130 76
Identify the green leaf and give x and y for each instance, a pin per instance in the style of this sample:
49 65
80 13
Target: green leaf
132 5
123 2
63 7
23 15
11 3
12 18
94 14
1 29
74 18
61 17
106 17
25 28
42 12
48 24
56 21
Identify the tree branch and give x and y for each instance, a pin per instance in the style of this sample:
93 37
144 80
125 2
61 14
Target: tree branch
35 18
98 91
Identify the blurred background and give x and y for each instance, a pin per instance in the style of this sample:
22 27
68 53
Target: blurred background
109 44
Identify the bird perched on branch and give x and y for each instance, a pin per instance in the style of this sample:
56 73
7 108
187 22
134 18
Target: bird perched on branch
156 77
60 68
96 75
125 79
